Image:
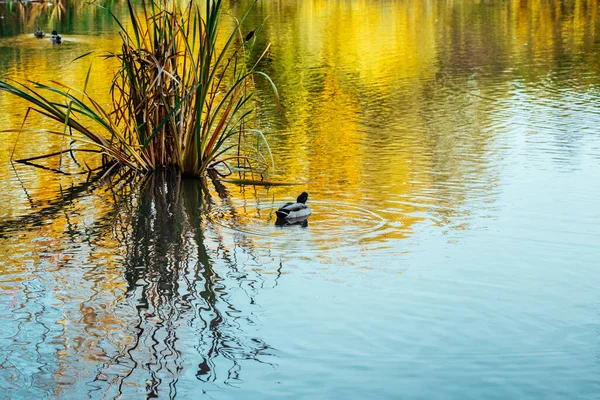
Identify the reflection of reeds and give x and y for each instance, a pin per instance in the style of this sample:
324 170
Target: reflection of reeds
173 282
53 208
179 98
162 290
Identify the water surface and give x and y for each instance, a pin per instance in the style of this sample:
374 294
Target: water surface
451 152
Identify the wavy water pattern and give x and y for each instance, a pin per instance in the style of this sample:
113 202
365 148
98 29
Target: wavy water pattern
451 153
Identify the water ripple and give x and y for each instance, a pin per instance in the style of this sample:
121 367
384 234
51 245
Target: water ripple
344 221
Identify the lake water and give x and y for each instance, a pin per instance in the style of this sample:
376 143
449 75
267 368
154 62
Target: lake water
451 152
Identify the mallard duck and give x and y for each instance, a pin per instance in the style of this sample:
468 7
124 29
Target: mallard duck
39 33
297 210
55 37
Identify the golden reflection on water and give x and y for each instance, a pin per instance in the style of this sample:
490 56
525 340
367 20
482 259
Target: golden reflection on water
374 95
392 111
403 98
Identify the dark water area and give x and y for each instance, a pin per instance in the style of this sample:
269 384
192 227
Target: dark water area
451 152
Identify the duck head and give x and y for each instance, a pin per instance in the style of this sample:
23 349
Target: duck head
54 32
302 198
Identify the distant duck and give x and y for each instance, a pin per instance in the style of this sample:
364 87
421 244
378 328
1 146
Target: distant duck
296 211
55 37
39 33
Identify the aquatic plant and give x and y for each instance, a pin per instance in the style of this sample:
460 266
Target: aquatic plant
181 97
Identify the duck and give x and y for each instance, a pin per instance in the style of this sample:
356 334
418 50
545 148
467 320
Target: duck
39 33
55 37
295 211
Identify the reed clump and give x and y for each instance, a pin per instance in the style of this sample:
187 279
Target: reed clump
182 96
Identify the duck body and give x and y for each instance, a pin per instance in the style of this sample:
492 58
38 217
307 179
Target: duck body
39 33
303 222
55 37
295 211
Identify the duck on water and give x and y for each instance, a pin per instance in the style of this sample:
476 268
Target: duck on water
55 37
295 211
